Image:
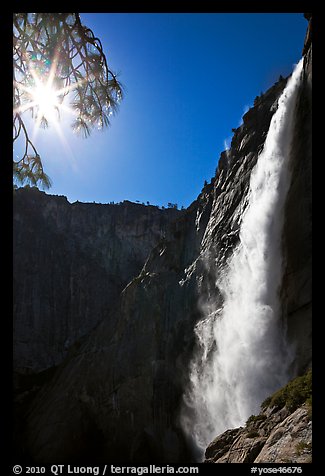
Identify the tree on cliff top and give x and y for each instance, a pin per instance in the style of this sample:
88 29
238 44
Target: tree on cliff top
55 56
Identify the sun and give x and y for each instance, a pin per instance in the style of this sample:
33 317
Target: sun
46 101
43 99
42 92
42 96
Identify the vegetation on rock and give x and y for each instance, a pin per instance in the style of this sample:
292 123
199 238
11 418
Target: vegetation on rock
292 395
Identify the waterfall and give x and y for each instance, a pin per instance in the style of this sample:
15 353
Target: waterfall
243 355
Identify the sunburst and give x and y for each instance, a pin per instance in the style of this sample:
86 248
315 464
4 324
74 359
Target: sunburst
47 101
42 97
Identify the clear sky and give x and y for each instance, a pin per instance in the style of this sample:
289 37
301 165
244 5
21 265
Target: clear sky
188 79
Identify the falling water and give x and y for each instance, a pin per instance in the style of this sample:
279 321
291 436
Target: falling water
243 356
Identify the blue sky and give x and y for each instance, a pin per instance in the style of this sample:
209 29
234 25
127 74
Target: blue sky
188 80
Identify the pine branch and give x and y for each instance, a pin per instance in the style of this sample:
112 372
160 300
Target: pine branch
59 42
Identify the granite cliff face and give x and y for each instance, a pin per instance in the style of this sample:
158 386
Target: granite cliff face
71 262
115 395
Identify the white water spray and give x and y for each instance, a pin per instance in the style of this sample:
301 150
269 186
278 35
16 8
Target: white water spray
243 355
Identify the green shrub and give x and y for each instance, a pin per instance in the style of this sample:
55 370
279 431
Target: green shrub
252 434
292 395
310 407
255 419
301 447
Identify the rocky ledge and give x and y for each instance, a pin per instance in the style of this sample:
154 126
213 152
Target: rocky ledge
281 433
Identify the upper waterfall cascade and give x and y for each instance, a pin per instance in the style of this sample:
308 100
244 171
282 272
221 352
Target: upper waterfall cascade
242 354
